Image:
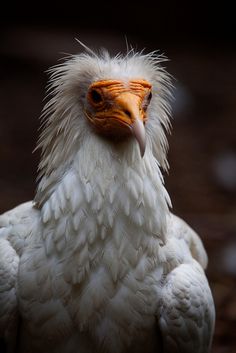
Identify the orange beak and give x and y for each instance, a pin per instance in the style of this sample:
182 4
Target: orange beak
118 109
131 115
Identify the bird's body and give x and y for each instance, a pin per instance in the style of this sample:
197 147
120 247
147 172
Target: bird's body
97 263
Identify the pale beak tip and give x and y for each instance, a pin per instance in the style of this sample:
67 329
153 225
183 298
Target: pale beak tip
139 132
142 151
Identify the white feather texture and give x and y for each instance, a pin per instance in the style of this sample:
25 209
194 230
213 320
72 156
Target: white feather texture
100 263
64 128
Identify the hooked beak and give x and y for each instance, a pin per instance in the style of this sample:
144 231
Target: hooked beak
130 113
139 133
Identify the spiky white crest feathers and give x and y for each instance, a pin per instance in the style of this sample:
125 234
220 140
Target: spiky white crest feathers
64 127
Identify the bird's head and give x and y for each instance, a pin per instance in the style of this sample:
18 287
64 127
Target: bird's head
116 100
118 108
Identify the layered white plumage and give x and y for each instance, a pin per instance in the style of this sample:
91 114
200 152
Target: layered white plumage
97 263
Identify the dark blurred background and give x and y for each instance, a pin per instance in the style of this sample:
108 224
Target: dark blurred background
199 39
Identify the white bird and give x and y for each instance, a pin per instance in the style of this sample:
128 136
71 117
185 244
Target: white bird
97 262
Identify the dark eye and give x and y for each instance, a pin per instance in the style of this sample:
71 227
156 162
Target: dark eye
149 97
95 96
147 100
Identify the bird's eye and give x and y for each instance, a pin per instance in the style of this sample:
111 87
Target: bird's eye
147 101
95 96
149 97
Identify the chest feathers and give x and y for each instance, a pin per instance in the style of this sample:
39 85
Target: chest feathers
105 224
106 208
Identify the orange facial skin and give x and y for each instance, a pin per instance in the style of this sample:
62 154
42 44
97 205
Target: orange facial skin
116 105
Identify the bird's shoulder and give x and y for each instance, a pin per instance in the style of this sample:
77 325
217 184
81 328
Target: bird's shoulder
186 310
16 228
13 234
16 225
178 229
